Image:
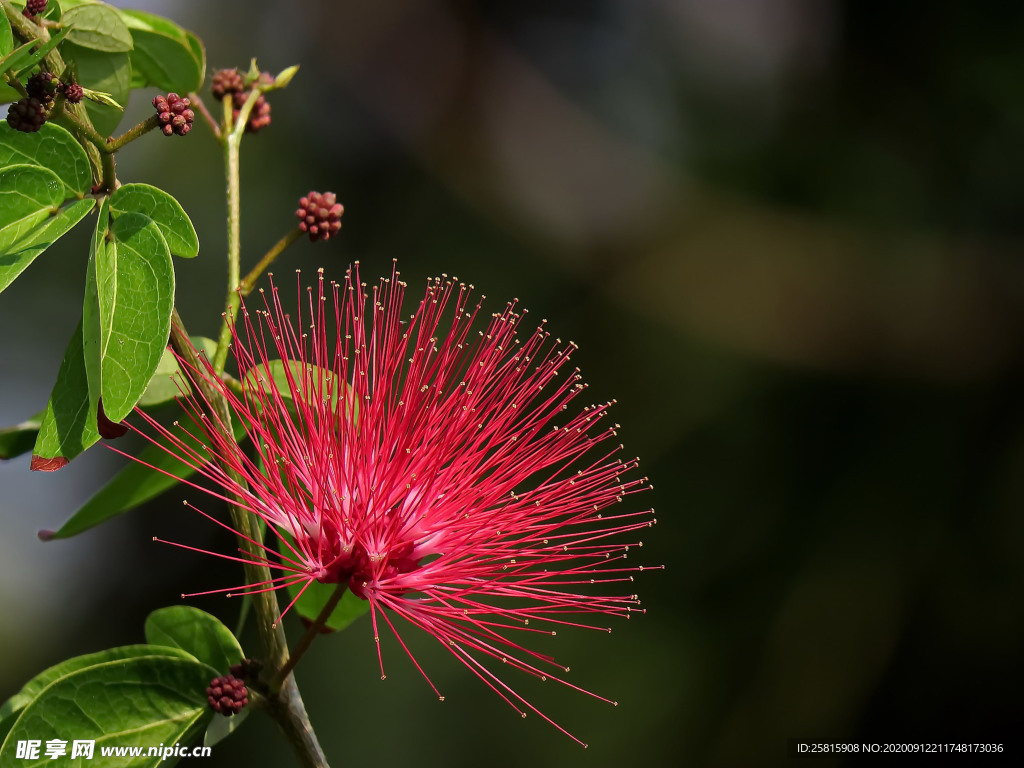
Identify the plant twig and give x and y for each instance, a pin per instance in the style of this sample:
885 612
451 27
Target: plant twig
286 704
198 103
54 62
232 145
307 639
147 125
246 286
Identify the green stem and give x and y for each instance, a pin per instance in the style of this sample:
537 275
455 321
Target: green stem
232 145
243 615
246 286
82 130
228 105
231 150
285 705
307 639
109 181
147 125
243 114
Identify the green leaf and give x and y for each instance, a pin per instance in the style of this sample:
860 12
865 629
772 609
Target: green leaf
198 51
6 35
102 225
35 686
254 71
315 598
69 424
312 377
15 58
133 281
138 79
24 57
24 252
106 72
91 316
8 94
162 53
196 632
167 383
150 22
163 209
285 76
51 147
141 701
99 27
28 194
19 439
103 98
140 481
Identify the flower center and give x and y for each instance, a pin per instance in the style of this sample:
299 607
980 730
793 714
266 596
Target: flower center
365 570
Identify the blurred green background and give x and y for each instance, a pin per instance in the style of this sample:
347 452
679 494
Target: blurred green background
786 235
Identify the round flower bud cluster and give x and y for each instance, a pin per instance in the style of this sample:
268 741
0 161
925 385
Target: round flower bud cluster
231 81
27 115
174 114
226 81
73 93
227 695
247 669
33 8
42 86
319 215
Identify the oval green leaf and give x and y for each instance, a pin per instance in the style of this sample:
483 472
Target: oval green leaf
150 22
134 287
313 600
8 94
155 471
306 377
24 252
106 72
69 424
35 686
28 194
167 383
166 63
162 55
159 700
51 147
97 26
6 35
198 51
195 632
163 209
18 439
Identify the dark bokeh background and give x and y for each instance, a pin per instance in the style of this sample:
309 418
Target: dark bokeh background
785 234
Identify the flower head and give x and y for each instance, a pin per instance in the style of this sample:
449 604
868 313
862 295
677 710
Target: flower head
443 474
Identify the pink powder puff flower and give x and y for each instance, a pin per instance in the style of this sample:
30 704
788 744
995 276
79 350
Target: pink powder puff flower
438 473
